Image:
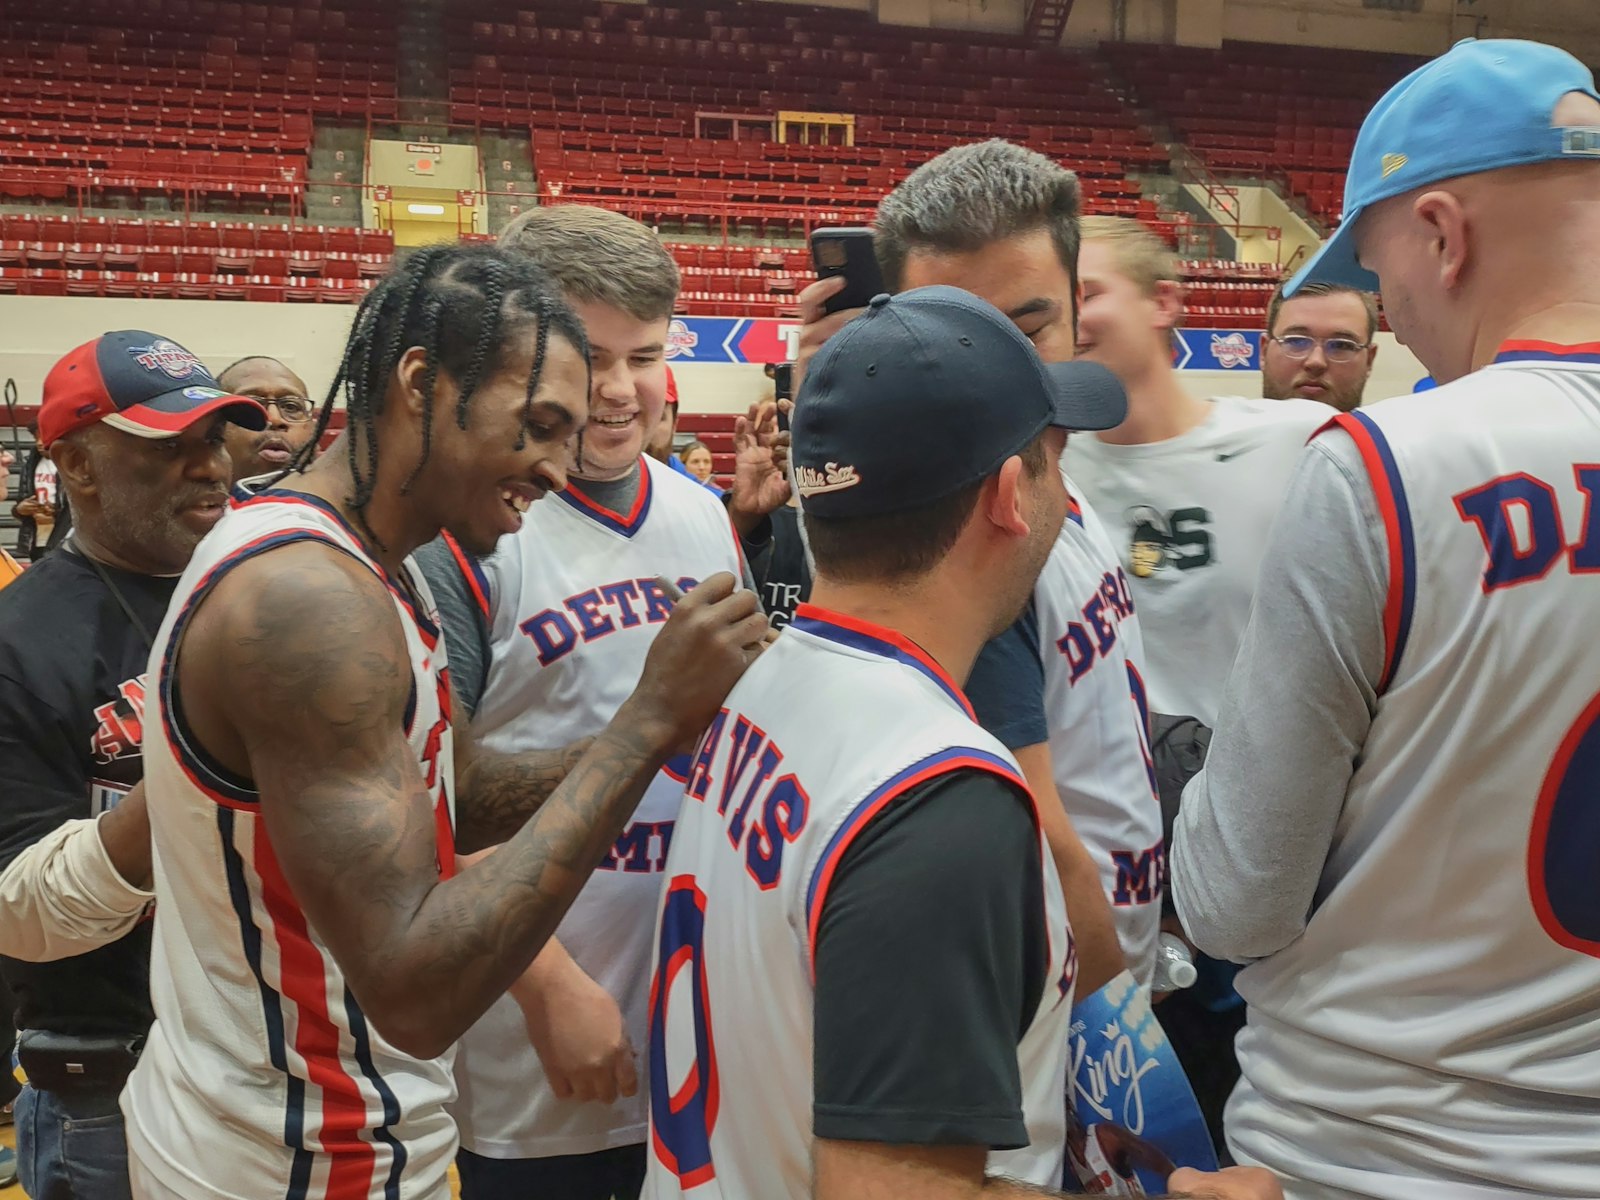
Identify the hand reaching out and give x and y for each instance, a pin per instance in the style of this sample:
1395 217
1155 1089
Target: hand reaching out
760 470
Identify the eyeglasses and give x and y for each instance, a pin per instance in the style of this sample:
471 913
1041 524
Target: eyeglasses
1335 350
293 409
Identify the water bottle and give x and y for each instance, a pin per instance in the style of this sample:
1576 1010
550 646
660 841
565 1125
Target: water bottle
1174 965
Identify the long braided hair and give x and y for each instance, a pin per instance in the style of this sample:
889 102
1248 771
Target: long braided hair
463 306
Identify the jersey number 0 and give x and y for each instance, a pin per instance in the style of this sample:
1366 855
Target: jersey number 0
1564 849
682 1117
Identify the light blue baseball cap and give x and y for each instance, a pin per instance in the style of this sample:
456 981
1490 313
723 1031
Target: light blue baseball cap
1479 107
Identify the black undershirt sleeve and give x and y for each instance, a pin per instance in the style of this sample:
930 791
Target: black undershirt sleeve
930 961
1006 686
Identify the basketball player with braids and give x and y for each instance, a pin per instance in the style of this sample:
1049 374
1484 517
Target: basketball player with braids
317 953
566 612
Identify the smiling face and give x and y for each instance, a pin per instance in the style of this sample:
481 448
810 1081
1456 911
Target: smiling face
282 393
628 390
479 478
1122 326
1023 276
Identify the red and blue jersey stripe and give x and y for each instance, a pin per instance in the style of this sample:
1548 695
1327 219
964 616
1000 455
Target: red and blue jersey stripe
1587 353
875 639
943 762
627 524
472 572
1389 490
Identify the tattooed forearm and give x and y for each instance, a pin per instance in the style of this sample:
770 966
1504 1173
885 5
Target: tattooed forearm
301 682
496 793
475 934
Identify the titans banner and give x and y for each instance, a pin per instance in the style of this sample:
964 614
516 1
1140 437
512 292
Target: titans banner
767 340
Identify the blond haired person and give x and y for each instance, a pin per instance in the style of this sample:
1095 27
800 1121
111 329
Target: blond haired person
1185 486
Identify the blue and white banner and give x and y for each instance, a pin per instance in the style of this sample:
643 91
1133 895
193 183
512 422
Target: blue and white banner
1132 1119
1216 349
730 339
768 340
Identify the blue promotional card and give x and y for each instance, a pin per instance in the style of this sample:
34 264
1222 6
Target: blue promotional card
1131 1118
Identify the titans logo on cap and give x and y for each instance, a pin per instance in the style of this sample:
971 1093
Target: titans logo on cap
167 357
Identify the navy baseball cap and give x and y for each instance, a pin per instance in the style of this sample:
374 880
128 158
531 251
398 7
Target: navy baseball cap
1479 107
140 383
925 393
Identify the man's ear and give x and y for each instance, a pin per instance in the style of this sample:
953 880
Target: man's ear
1169 303
1001 499
73 462
1446 218
412 371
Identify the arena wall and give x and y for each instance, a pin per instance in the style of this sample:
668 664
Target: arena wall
37 330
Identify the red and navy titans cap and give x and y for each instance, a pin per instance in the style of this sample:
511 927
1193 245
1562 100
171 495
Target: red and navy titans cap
928 392
140 383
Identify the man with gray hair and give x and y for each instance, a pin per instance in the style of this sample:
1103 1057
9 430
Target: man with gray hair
1001 222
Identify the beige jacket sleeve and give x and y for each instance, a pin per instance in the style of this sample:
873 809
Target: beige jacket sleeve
62 897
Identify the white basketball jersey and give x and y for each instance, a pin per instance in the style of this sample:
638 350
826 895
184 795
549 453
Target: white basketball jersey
1435 1032
836 719
1099 723
573 608
261 1075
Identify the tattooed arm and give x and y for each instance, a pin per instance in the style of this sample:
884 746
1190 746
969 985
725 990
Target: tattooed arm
496 792
295 673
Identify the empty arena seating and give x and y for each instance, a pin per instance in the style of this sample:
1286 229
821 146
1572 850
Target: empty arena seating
134 99
665 112
196 260
741 280
1222 294
1284 112
624 101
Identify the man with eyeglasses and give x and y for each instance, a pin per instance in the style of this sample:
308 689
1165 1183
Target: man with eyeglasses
289 416
1319 345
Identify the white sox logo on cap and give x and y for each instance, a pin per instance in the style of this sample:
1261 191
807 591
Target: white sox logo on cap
832 478
167 357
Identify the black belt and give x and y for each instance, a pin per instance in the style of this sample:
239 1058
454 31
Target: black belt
65 1062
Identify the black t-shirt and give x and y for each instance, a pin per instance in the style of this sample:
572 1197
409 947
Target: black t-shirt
1006 687
930 963
72 671
777 559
